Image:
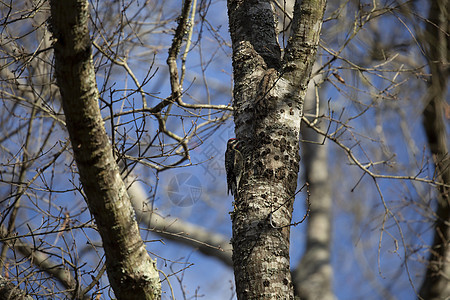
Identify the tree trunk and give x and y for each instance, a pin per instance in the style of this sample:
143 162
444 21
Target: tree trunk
437 279
313 275
131 271
268 101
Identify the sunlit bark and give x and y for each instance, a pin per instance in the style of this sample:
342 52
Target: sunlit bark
268 99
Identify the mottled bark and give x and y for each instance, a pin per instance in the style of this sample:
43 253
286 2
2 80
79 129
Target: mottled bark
437 280
268 101
131 271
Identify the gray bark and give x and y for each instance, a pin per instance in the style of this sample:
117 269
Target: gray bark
268 102
131 271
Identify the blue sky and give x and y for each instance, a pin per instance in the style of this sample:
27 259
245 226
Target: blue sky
358 215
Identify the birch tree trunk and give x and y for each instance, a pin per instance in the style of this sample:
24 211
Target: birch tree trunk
131 272
269 89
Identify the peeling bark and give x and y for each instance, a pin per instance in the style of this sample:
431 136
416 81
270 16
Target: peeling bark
131 271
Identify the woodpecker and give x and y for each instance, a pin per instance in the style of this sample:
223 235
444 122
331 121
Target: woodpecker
234 165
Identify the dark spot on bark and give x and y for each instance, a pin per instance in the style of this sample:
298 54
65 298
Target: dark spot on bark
285 281
268 173
279 173
291 177
266 283
276 157
290 104
282 111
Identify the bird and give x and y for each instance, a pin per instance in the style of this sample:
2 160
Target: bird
234 165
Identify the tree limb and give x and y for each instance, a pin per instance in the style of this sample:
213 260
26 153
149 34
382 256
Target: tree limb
131 272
